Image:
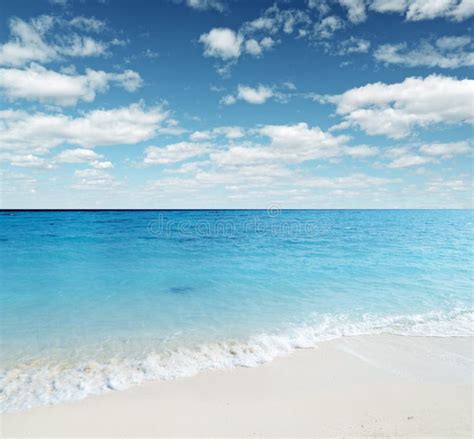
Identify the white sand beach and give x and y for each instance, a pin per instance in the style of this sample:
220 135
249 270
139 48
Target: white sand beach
379 386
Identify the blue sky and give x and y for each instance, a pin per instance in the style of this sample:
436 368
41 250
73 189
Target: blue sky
236 104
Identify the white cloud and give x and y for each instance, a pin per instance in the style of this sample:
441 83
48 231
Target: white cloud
14 183
81 46
351 181
403 157
354 45
327 26
94 179
303 141
395 110
203 5
26 161
446 149
227 44
252 95
463 10
176 152
188 168
447 186
230 132
409 160
88 24
361 151
275 19
34 40
253 47
78 155
416 10
228 100
48 86
355 10
62 3
102 165
258 95
388 6
451 43
256 48
27 42
222 43
288 144
447 53
39 132
199 136
422 10
249 175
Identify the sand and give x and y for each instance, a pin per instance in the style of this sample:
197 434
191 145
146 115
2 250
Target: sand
383 386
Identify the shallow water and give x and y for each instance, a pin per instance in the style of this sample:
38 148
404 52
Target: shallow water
100 300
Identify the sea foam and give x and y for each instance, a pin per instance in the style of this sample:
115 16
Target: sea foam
40 383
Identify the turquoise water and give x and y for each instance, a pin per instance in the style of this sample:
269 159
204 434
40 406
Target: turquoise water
99 300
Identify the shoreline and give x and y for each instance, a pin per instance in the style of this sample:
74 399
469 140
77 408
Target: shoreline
368 385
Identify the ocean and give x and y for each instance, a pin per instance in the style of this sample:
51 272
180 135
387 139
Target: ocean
94 301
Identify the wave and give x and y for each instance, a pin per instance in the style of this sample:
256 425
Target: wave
27 385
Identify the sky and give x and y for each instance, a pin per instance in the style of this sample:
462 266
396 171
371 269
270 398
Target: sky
236 104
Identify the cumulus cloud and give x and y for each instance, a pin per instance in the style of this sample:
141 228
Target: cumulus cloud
423 10
176 152
102 165
416 10
47 86
261 33
253 37
252 95
81 155
199 136
258 95
394 110
27 43
20 130
288 144
445 52
34 40
222 43
256 48
78 155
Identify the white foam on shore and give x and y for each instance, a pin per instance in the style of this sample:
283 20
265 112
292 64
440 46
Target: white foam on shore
26 386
